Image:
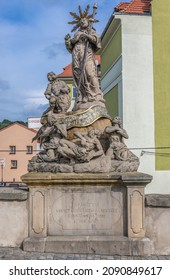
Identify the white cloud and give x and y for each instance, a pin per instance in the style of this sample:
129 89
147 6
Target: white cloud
31 45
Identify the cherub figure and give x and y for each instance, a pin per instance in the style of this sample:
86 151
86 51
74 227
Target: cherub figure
117 149
50 141
60 91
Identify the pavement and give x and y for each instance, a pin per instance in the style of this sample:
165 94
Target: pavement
9 253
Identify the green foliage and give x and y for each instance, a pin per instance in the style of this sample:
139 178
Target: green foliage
6 122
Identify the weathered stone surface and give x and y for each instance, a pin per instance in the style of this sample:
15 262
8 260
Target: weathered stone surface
65 168
87 132
136 211
9 193
157 222
131 178
86 211
140 246
17 253
83 46
104 245
124 166
158 229
13 217
34 244
37 179
50 167
157 200
99 165
100 124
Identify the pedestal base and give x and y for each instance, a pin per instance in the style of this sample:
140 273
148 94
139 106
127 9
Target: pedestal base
87 213
106 245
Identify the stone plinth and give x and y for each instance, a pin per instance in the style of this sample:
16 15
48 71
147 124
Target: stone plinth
13 216
157 222
87 213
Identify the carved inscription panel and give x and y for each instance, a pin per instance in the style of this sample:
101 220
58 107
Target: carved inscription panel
85 212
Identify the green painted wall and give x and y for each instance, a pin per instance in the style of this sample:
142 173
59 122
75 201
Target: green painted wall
112 101
70 86
161 66
112 51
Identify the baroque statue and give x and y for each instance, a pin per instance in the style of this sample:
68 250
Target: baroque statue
60 91
121 157
83 46
84 148
85 139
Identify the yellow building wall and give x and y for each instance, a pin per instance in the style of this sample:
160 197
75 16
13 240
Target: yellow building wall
161 66
15 135
70 85
111 52
112 101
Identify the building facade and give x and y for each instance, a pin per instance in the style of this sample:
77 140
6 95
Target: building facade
134 79
161 64
16 149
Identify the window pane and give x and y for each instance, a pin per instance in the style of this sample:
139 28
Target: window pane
29 149
12 149
13 164
74 93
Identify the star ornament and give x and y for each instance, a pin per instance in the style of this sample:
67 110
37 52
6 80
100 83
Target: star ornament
77 18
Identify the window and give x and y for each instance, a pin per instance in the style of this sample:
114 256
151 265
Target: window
98 70
12 149
29 149
74 93
13 164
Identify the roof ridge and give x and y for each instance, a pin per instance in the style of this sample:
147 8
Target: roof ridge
135 6
11 124
130 4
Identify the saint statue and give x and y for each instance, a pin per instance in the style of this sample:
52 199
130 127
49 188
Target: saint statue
83 46
84 139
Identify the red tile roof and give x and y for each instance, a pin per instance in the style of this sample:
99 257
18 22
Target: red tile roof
134 7
121 6
68 69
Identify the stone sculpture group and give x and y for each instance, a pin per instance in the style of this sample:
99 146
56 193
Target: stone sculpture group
85 139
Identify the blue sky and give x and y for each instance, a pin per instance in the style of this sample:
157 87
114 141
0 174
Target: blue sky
32 44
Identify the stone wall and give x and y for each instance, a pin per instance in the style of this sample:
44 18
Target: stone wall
75 213
13 216
14 219
157 211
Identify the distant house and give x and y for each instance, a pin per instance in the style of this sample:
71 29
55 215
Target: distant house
135 65
16 149
34 123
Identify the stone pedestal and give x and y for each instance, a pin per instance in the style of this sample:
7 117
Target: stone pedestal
87 213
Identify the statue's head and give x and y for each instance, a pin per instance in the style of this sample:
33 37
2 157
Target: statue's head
82 19
51 76
117 120
84 23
